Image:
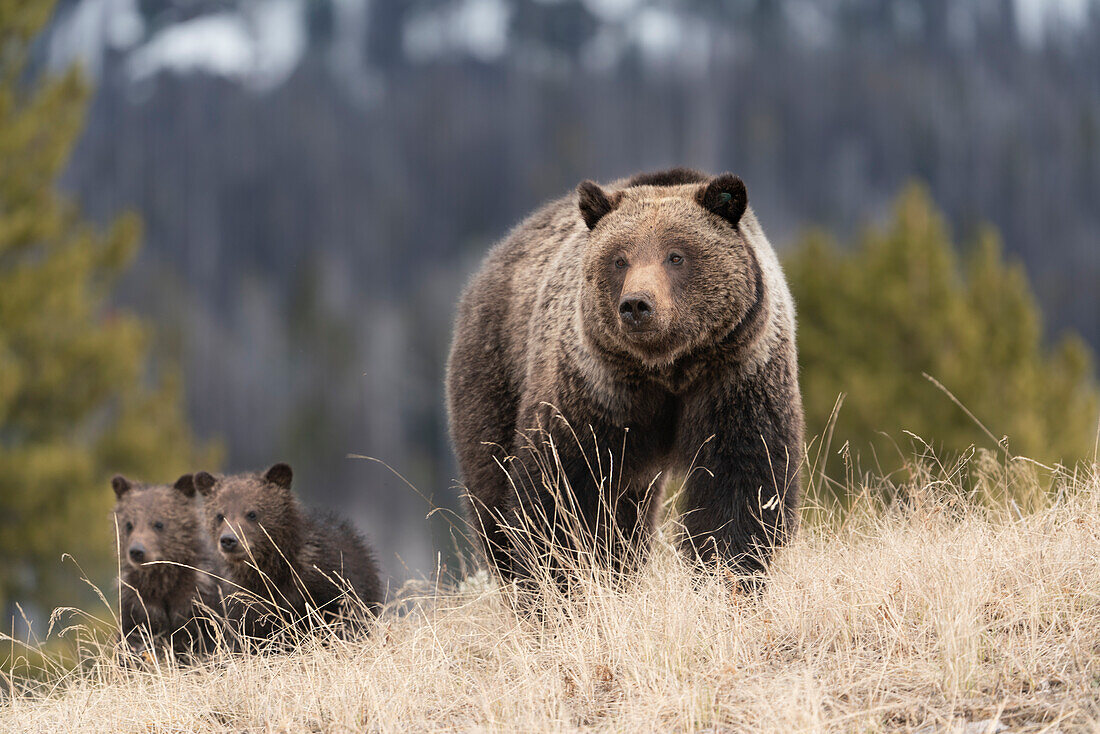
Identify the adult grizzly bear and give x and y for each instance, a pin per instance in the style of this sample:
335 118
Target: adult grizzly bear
615 336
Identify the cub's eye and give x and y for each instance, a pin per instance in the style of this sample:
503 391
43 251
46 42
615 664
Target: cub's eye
675 258
251 515
620 262
158 525
129 526
220 518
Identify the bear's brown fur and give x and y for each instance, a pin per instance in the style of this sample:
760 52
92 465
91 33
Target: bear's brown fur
630 332
169 590
284 564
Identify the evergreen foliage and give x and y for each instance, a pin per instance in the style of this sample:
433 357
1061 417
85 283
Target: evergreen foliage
875 318
78 401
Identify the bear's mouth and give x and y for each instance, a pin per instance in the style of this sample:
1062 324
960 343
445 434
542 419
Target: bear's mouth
144 564
648 342
652 344
642 334
632 328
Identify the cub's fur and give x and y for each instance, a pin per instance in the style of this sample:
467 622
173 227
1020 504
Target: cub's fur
282 563
169 591
630 332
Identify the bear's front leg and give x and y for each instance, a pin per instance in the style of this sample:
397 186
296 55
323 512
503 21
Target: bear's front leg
552 510
142 625
744 442
577 504
198 629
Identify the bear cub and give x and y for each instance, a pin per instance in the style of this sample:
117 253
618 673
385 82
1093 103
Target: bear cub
284 564
168 585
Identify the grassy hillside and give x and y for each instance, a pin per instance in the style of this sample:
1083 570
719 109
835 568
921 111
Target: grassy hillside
933 612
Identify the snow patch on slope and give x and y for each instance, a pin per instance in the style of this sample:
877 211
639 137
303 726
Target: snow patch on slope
260 45
86 31
217 44
478 28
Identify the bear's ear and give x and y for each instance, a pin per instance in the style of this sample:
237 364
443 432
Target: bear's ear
185 485
725 195
280 475
594 202
121 485
204 482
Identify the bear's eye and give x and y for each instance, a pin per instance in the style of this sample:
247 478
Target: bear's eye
251 515
620 262
129 526
158 525
220 518
675 258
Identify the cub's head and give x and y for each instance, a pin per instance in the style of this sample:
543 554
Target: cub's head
667 267
252 518
157 522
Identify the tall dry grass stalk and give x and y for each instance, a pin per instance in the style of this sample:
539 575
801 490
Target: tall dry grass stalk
968 597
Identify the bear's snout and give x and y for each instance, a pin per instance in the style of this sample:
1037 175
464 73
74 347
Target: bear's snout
137 553
229 543
636 310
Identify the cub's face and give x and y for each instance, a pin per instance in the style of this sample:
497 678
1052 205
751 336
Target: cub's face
156 523
248 515
665 274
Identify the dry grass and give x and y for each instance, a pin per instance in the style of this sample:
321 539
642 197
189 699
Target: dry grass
929 613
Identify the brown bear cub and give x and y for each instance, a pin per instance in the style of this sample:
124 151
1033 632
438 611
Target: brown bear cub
618 335
168 587
285 568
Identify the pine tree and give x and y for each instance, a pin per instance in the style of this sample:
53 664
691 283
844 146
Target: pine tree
877 317
78 400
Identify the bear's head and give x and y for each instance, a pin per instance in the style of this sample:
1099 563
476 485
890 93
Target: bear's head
253 518
157 522
668 268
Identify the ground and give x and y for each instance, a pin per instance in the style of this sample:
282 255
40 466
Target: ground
973 610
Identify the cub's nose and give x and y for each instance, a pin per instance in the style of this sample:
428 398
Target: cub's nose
137 553
228 543
635 309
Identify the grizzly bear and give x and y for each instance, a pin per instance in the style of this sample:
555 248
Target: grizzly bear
617 336
168 587
285 567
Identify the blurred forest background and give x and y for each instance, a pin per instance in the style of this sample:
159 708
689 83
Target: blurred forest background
315 179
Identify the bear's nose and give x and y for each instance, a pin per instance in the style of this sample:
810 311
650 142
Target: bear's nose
635 309
137 553
228 543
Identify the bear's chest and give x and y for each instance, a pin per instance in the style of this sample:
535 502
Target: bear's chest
645 409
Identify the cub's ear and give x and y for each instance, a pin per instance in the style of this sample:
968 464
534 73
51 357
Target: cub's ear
280 475
594 202
185 485
725 195
121 485
204 482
